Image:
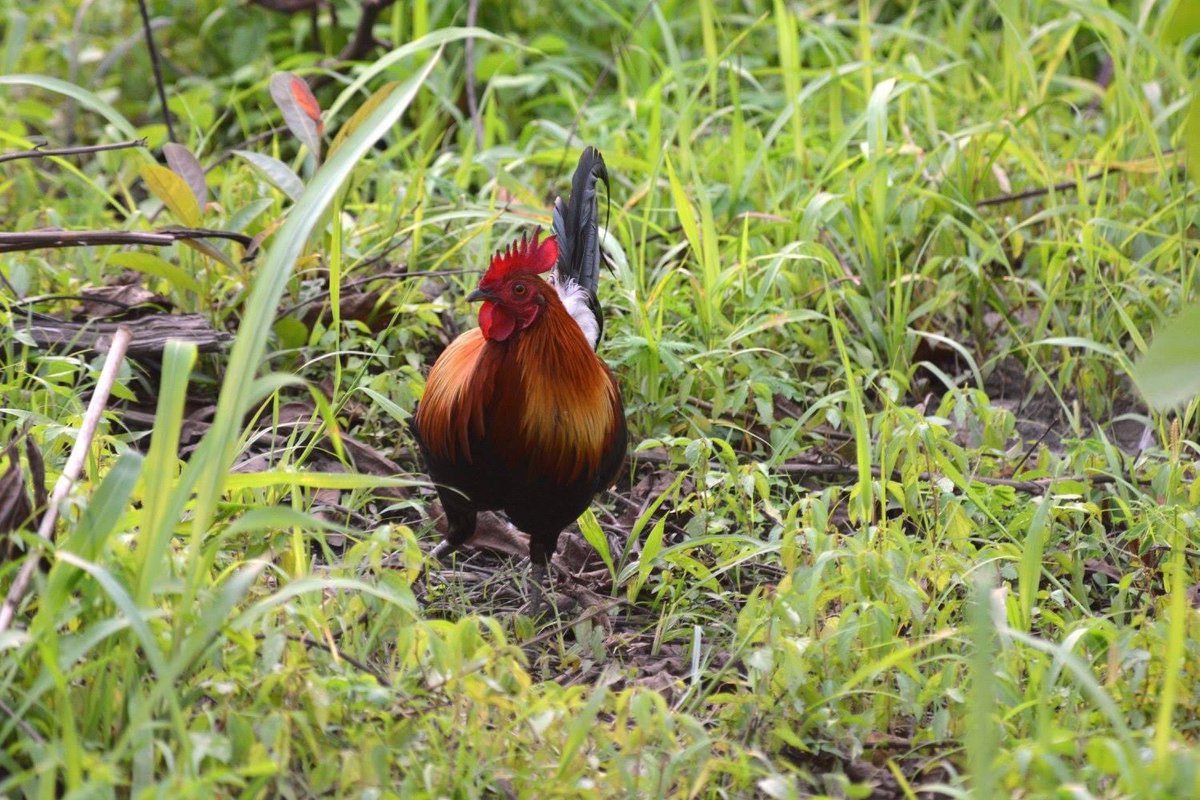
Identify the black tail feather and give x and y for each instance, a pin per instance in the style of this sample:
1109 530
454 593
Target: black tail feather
576 224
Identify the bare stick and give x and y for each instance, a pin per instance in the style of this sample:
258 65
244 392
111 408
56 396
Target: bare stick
472 101
594 611
1064 186
158 78
36 240
288 6
363 40
44 152
337 655
1028 194
29 730
70 473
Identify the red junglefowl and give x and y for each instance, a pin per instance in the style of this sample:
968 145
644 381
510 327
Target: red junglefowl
520 415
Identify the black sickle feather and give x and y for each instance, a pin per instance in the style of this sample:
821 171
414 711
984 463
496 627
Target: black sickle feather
577 231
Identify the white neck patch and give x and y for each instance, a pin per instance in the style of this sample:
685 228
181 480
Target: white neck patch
575 299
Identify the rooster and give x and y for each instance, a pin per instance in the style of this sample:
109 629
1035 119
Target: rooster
520 415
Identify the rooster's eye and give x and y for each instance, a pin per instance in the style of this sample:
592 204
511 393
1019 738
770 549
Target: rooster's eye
519 289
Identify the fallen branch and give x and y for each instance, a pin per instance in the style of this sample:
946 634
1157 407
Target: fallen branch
54 237
48 152
70 473
148 339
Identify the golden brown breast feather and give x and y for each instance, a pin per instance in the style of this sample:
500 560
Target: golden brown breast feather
453 400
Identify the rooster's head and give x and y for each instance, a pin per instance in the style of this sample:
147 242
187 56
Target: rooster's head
512 293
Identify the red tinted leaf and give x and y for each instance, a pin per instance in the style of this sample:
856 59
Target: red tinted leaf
301 113
307 102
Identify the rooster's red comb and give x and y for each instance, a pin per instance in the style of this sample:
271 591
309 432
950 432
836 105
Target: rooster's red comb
524 255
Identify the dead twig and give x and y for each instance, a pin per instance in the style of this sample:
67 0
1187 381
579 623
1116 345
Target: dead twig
558 628
70 473
156 65
288 6
242 145
323 295
53 237
44 152
1064 186
28 729
336 655
363 40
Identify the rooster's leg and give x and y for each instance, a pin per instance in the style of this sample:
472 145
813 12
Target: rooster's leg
541 550
537 597
459 527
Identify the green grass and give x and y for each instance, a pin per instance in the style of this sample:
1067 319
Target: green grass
818 585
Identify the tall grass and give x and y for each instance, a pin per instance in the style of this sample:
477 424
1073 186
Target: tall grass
840 359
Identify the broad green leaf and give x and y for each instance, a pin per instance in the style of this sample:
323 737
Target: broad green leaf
393 409
107 504
80 95
121 599
363 111
404 600
877 117
150 264
214 615
1183 21
594 535
277 173
650 551
1032 550
292 333
1191 134
104 510
277 518
208 250
174 192
248 213
982 737
685 212
1169 372
1077 342
580 728
163 466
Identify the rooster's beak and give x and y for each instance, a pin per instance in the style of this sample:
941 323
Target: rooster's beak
480 294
